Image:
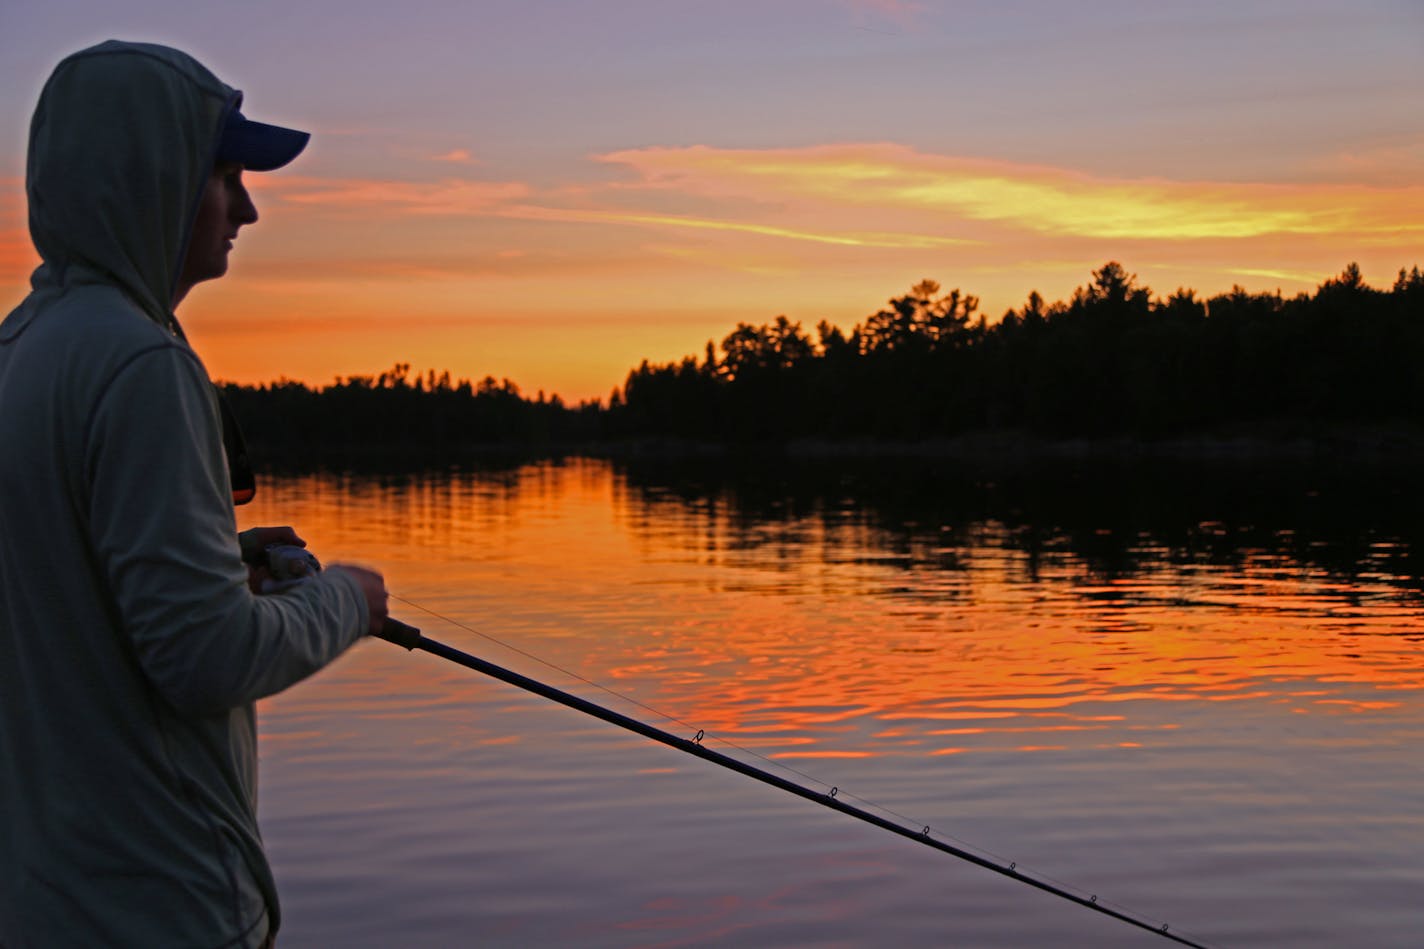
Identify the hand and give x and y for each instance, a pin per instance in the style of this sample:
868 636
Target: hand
255 540
374 586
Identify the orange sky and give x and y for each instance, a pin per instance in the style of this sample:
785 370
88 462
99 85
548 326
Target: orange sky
544 234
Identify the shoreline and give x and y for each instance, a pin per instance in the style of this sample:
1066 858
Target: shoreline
1313 444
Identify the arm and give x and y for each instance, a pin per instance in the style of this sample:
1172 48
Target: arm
162 525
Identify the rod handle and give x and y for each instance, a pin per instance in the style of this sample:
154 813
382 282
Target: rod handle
402 634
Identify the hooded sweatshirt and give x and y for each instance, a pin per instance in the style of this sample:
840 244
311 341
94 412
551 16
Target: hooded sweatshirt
131 650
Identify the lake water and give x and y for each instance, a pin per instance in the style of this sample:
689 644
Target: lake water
1195 695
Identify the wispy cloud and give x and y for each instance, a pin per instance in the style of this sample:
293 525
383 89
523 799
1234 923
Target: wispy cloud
841 238
1285 276
804 210
314 269
458 156
889 196
510 199
887 178
451 196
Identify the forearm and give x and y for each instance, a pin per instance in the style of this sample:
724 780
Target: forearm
239 648
163 528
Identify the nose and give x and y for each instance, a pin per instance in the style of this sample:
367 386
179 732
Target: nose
243 210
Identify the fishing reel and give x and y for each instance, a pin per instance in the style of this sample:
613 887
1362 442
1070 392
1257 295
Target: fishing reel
288 565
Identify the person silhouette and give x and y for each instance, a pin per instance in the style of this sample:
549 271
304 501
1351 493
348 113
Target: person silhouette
133 640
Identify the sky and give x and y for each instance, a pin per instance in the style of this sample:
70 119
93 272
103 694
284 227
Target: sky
552 192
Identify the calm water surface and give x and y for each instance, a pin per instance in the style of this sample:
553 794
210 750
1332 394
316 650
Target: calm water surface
1197 697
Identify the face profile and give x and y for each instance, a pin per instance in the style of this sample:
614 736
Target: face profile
224 208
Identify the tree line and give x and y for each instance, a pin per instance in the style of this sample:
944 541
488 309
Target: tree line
426 416
1114 360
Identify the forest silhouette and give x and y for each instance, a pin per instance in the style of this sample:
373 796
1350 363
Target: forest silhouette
1111 362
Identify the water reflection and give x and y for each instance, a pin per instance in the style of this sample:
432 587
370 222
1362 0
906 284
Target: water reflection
1223 661
1113 519
1092 586
825 593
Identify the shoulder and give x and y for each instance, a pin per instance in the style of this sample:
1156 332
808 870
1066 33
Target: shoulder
88 333
64 355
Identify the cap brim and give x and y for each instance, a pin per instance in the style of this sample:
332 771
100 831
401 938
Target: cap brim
257 146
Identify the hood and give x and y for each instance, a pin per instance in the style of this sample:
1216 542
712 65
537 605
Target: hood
122 144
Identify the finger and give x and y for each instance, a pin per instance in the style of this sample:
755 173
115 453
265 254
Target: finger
284 535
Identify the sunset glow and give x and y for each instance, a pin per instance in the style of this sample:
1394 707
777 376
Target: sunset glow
1005 665
558 228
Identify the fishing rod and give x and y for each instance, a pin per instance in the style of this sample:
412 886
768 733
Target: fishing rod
411 638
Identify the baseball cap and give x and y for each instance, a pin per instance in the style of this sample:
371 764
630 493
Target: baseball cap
258 146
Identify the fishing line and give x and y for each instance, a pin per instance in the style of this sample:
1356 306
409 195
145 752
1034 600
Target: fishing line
909 821
411 638
675 720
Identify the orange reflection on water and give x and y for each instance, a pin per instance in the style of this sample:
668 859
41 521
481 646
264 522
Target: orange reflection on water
822 635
